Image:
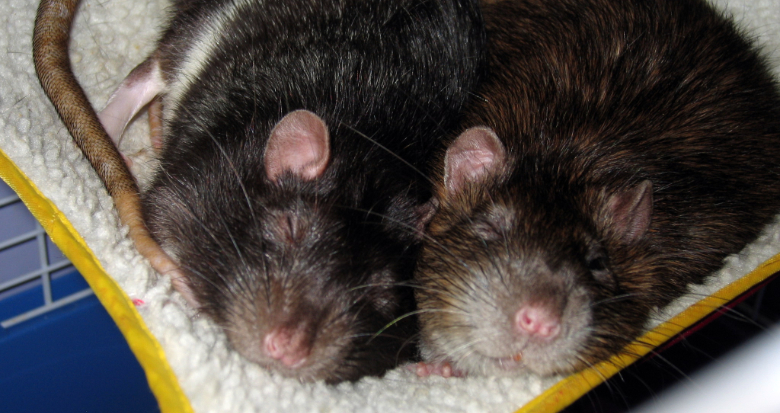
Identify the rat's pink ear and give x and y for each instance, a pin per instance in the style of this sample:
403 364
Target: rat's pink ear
474 154
299 143
629 212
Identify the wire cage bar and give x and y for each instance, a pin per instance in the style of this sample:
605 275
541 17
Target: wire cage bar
49 260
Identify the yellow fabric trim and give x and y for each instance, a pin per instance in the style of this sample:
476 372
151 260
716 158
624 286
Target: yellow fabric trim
573 387
147 350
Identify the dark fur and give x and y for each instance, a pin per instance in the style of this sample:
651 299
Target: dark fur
592 97
331 254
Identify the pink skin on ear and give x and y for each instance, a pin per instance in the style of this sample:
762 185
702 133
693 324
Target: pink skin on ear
631 211
299 143
473 155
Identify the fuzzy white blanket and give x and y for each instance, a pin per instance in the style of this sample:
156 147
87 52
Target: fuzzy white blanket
186 358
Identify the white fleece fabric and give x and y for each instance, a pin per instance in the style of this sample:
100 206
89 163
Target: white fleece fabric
111 37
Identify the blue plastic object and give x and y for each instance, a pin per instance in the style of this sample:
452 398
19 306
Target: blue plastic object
73 359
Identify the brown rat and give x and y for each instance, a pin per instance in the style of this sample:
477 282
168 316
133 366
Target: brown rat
621 149
291 187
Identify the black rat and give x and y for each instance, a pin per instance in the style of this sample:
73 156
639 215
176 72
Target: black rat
619 150
291 186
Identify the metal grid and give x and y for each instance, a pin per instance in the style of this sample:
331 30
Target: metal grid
50 260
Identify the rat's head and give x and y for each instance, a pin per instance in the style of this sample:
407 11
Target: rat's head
300 281
527 268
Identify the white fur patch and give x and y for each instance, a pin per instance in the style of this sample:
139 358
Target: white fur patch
203 47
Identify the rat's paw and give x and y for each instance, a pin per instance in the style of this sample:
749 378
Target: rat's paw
443 369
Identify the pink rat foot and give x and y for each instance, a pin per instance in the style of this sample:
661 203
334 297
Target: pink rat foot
443 369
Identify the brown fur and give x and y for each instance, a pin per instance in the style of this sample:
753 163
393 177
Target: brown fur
591 98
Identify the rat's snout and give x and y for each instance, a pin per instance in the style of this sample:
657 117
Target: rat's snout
539 307
289 346
537 320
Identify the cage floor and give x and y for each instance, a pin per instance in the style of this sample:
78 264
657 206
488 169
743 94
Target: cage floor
73 359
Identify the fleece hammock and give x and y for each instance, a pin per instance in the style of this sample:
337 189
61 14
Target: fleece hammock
186 358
